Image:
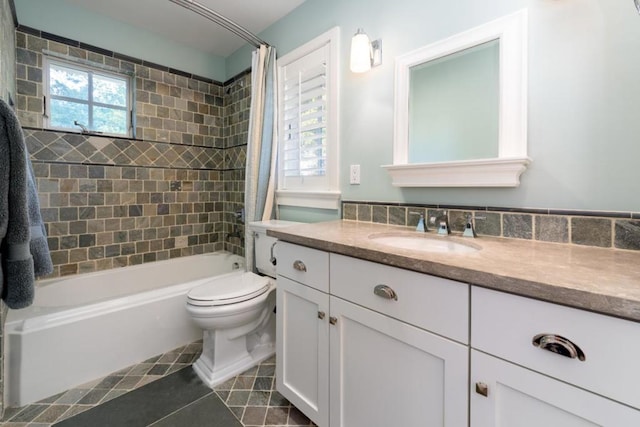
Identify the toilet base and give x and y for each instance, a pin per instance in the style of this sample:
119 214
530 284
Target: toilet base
223 358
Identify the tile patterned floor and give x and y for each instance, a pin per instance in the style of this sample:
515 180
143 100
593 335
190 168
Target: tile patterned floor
251 396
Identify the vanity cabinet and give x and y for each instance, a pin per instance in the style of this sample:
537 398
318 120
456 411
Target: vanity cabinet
588 377
368 351
302 330
366 344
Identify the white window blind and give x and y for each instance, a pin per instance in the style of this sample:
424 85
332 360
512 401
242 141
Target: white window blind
308 124
304 137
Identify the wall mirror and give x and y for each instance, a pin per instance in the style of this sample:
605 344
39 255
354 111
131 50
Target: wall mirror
461 109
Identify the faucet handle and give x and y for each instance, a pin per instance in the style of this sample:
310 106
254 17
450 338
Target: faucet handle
422 225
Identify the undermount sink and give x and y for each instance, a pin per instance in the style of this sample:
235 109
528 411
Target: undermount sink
424 243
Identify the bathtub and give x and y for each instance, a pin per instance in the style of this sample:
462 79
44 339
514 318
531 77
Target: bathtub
87 326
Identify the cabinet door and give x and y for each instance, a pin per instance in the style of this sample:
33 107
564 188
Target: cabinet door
520 397
387 373
302 337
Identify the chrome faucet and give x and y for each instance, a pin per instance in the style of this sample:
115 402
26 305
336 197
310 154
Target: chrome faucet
469 231
442 222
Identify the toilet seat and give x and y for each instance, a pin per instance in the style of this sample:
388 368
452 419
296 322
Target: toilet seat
228 289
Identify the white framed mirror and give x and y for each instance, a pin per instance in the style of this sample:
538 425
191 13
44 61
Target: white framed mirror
461 109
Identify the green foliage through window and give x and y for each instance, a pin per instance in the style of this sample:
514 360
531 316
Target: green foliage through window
95 99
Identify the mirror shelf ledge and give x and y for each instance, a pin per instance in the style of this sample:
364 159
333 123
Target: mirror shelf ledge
498 172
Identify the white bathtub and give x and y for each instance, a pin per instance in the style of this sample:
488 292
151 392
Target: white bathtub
87 326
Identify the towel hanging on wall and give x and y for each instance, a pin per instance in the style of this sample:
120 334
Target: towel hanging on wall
24 253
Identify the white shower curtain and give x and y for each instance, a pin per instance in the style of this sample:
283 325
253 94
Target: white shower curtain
261 145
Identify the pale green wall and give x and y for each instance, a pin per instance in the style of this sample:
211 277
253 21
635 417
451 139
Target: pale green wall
584 89
62 19
584 95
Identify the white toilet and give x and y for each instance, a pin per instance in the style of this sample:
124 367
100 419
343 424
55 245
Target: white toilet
236 313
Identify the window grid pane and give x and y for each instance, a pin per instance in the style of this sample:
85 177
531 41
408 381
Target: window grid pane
93 99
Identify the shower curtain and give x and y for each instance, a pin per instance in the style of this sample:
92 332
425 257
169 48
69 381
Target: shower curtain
261 145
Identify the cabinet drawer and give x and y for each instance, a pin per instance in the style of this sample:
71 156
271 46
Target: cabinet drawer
304 265
505 325
428 302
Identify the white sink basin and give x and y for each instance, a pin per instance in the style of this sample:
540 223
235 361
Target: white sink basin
424 243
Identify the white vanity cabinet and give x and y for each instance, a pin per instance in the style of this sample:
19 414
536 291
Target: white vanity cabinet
302 330
517 383
385 346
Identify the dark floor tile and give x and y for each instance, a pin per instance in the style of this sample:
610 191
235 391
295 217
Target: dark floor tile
109 382
208 411
72 396
29 413
263 383
144 405
259 398
52 413
254 416
238 398
159 369
243 383
276 416
93 397
278 400
267 371
297 418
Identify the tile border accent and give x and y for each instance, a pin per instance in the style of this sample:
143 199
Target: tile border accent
72 148
109 53
604 229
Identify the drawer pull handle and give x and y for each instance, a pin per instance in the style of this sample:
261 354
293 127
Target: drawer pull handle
299 265
321 315
385 292
333 320
482 389
559 345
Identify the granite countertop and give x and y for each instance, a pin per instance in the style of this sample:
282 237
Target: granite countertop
605 281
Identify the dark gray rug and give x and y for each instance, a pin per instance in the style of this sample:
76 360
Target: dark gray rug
179 399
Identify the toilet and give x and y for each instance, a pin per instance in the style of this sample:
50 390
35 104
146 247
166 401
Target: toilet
236 311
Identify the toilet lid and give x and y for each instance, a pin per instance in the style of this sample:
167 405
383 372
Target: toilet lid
228 289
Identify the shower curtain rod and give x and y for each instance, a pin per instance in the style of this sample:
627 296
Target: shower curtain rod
222 21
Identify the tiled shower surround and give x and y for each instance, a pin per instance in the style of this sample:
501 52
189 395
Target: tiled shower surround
172 191
602 229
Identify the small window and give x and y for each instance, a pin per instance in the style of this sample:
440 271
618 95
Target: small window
85 99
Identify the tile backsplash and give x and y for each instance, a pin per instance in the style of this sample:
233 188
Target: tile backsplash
601 229
172 191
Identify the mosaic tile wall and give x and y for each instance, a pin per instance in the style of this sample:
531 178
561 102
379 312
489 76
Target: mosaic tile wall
7 90
112 202
618 230
236 126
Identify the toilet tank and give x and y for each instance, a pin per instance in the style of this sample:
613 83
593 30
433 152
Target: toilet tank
263 244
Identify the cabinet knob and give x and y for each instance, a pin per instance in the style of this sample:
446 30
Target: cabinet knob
333 320
299 265
483 389
385 292
321 315
559 345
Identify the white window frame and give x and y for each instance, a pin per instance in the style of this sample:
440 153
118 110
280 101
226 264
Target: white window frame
317 192
93 70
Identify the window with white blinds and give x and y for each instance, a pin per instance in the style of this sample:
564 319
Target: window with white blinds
304 104
308 145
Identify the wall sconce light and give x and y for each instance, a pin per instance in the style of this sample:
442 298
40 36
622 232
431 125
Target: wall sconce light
364 53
